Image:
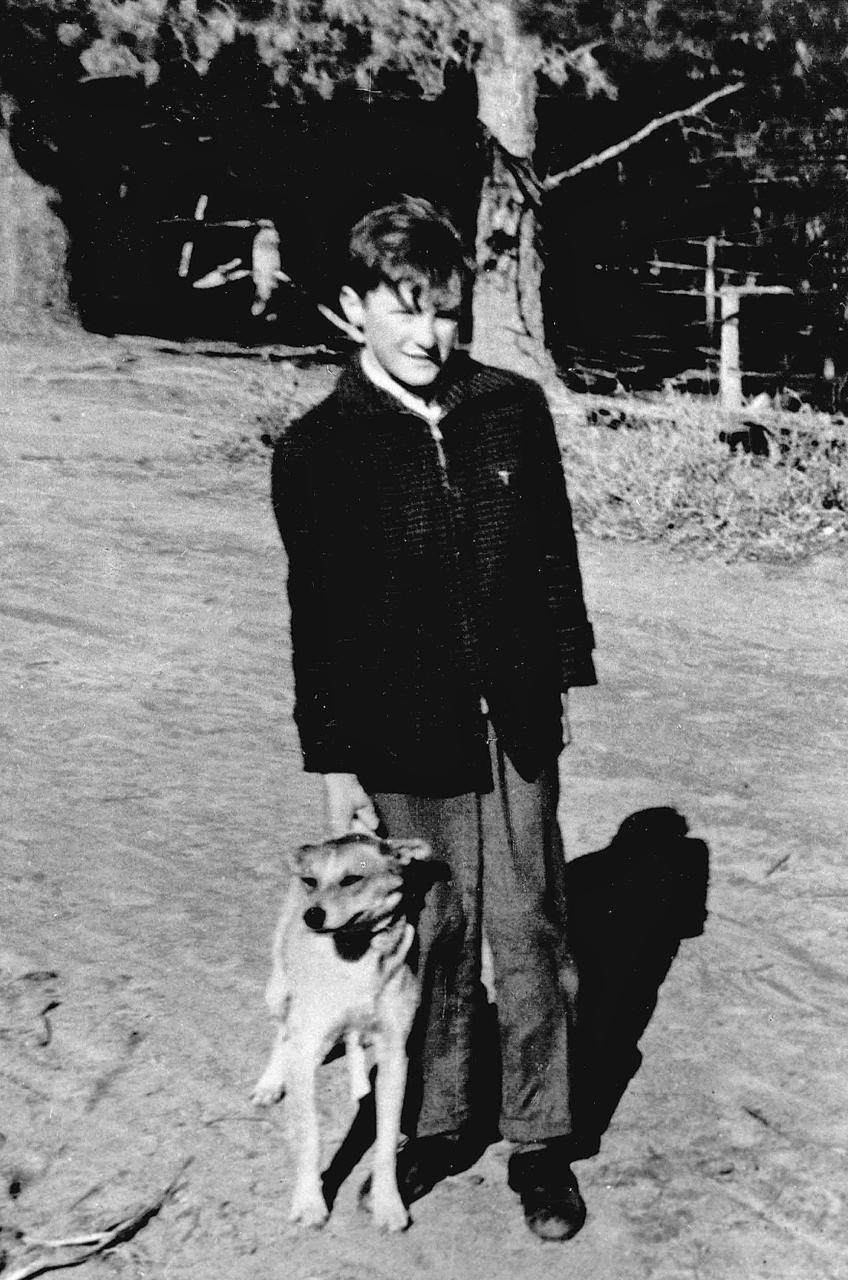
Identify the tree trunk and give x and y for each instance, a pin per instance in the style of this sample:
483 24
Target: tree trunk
33 251
507 312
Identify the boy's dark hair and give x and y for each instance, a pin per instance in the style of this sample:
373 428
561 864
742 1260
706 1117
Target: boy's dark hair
408 242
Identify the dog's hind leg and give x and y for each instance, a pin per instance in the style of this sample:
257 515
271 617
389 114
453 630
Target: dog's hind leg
386 1204
308 1203
271 1084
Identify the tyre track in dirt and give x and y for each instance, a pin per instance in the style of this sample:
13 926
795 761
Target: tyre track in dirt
152 783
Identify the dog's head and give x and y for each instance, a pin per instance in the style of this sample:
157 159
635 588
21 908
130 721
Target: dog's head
359 882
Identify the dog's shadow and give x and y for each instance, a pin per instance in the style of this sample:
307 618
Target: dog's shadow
630 906
359 1137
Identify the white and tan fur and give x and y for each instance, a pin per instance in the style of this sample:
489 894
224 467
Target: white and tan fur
340 971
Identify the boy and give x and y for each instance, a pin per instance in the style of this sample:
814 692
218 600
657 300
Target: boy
437 620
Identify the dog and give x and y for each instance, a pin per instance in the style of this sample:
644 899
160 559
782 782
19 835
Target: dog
341 971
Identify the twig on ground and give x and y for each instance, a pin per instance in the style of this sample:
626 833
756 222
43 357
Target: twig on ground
99 1241
238 1117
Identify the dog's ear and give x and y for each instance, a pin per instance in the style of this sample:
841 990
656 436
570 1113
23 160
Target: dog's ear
299 857
409 849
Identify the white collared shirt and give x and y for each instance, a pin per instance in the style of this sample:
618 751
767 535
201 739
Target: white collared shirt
374 372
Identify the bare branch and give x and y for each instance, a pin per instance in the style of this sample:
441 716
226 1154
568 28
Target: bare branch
592 162
349 329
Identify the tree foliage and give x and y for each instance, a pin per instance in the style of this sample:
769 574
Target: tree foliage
320 43
318 46
311 46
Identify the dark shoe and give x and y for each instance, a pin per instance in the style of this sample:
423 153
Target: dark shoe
424 1162
550 1197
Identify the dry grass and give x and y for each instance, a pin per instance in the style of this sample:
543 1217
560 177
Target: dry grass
662 473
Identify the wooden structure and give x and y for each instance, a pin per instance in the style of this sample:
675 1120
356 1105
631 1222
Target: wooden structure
730 364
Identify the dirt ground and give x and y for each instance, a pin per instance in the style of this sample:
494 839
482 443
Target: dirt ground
151 784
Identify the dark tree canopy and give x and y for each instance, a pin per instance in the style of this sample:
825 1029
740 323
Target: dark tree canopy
317 45
201 61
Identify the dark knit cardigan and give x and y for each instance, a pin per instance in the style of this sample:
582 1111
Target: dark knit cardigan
426 573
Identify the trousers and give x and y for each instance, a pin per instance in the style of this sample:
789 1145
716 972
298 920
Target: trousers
507 878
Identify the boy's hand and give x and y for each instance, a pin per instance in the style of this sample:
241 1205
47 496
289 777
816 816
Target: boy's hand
349 806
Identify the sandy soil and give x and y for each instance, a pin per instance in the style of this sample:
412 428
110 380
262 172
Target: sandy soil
151 785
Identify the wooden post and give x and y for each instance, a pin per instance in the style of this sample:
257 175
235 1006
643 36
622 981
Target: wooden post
188 248
710 281
730 370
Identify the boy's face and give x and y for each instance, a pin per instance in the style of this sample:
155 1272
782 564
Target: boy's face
410 336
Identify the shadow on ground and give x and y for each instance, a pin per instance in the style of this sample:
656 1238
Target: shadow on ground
631 904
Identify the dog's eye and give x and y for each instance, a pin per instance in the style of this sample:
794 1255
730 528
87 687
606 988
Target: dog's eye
309 882
347 882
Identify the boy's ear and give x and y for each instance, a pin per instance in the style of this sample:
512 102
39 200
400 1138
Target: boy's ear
352 306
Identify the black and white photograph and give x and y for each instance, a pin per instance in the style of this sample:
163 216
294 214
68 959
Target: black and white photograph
423 632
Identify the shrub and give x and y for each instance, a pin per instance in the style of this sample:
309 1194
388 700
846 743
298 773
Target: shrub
662 473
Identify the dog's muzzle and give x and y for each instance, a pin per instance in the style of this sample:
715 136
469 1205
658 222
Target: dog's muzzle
314 918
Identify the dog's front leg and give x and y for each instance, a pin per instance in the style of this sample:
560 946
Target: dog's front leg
386 1204
271 1084
308 1203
